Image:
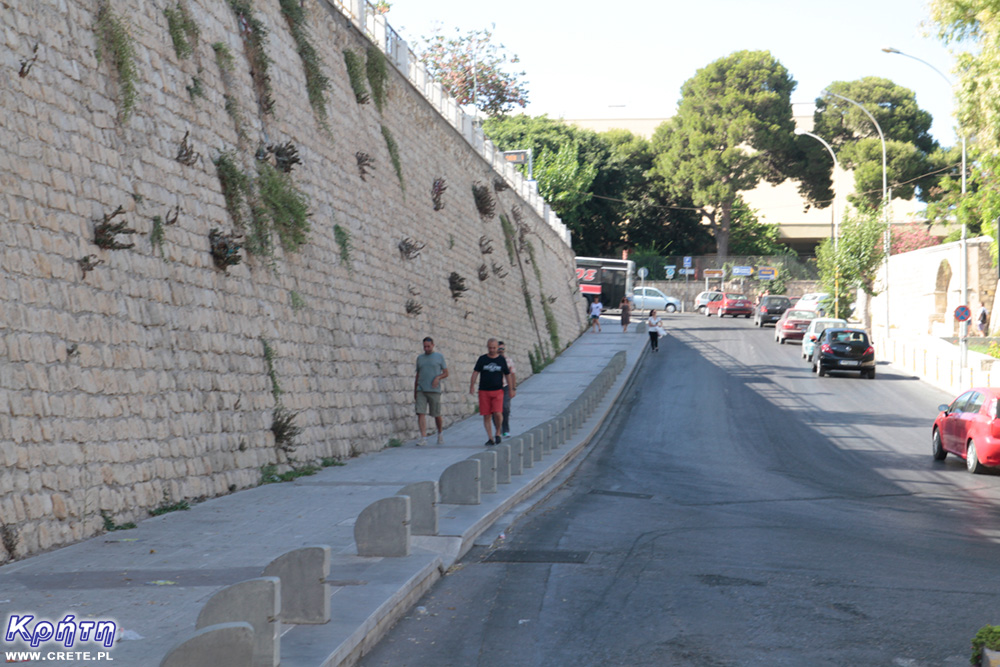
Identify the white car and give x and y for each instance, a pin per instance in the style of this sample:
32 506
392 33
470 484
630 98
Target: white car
650 298
811 301
815 330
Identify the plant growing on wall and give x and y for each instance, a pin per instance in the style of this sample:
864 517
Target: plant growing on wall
317 83
390 143
183 29
225 248
236 189
499 185
412 307
485 245
365 162
115 39
88 263
158 234
286 206
196 89
409 249
437 191
356 75
284 429
106 232
26 63
485 203
378 75
456 284
498 270
254 36
343 239
186 154
483 272
508 237
285 155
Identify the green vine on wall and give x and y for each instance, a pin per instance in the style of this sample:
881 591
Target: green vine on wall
115 39
254 36
356 75
508 237
317 83
390 143
286 206
183 29
343 239
378 75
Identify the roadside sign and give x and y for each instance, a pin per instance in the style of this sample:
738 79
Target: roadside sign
516 157
766 273
713 273
671 269
687 262
687 272
643 272
742 270
963 314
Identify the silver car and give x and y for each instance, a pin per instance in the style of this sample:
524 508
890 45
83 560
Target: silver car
814 332
650 298
703 298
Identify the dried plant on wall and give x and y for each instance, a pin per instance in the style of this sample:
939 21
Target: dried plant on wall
106 232
412 307
365 163
499 185
186 154
88 263
483 272
409 249
286 156
225 248
498 271
26 63
437 191
485 245
456 284
485 203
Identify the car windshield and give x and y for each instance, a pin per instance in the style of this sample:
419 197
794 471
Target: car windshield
849 337
801 314
735 297
776 301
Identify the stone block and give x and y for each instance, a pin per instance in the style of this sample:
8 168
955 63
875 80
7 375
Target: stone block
305 595
383 528
516 447
257 602
219 645
990 658
459 483
487 470
424 499
503 463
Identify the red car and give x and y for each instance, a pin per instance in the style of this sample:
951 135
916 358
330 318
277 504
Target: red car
969 428
729 304
793 324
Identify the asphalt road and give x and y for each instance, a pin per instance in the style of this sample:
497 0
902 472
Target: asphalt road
737 510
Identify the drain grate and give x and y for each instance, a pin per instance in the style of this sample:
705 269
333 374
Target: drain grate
623 494
537 556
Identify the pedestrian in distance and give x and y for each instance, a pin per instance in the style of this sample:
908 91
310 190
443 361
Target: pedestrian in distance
982 319
507 379
490 369
595 314
653 327
431 370
626 313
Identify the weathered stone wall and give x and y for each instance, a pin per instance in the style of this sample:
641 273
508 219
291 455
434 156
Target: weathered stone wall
144 381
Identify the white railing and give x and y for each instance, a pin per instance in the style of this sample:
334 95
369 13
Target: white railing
372 23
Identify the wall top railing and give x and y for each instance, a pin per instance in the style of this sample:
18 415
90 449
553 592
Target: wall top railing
367 18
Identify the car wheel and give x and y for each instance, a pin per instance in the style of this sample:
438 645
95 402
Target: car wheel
972 459
700 309
781 340
937 450
818 367
747 316
671 308
871 373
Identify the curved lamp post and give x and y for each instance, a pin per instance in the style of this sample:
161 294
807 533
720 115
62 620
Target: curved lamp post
964 326
885 202
836 220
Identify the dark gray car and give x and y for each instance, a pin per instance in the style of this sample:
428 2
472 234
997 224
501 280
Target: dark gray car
770 309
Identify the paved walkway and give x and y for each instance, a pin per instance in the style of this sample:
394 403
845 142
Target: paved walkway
153 580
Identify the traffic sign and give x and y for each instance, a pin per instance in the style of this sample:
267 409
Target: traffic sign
687 272
643 272
963 314
516 157
671 269
766 273
742 270
687 262
713 273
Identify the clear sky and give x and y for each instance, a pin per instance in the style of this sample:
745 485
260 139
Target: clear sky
591 59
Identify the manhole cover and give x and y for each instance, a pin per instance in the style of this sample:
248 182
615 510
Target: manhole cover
623 494
537 556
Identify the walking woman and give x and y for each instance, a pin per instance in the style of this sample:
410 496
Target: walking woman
653 326
626 313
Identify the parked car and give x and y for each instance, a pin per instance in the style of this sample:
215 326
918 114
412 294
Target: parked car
730 304
770 309
816 328
650 298
844 350
812 301
969 428
703 298
793 324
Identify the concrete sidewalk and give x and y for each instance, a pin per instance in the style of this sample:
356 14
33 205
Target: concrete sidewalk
154 580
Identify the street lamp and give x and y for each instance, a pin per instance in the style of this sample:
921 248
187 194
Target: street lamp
885 201
963 328
836 221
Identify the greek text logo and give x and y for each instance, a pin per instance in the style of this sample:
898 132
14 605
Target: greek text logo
67 631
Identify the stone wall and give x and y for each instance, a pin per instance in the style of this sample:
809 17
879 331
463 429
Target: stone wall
144 381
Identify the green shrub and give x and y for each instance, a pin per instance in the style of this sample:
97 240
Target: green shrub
183 30
390 143
114 37
286 206
987 637
378 75
356 74
316 82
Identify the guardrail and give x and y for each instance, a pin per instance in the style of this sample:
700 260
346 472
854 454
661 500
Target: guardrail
370 22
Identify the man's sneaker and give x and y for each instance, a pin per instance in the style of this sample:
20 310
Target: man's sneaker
421 442
440 438
490 443
497 439
506 434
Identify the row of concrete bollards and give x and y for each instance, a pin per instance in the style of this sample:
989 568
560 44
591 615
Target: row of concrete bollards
241 624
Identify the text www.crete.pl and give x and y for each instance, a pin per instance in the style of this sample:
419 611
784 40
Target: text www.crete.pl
54 656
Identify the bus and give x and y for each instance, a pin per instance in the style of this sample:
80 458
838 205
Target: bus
611 279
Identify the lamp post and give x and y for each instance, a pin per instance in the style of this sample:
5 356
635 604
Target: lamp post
836 221
885 201
963 328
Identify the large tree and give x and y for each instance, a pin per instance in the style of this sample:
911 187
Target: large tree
912 155
733 129
474 69
851 263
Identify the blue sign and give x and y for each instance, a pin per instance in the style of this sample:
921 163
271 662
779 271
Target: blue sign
687 262
766 273
742 270
670 269
963 314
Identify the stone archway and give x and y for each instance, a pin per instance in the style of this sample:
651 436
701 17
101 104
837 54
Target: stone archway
941 283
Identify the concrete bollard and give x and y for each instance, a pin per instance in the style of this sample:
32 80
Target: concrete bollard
424 499
516 447
503 463
305 595
459 483
257 602
383 528
487 470
527 450
219 645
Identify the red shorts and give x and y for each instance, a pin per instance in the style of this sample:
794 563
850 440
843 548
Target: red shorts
490 401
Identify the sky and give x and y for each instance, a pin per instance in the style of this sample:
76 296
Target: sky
590 59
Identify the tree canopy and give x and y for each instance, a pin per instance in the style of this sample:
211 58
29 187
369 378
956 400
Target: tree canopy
472 68
733 129
852 262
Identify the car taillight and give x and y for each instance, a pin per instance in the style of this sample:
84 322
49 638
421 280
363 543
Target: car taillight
995 428
825 347
788 325
870 350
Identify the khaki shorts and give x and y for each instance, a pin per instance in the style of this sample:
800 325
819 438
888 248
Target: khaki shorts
429 403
